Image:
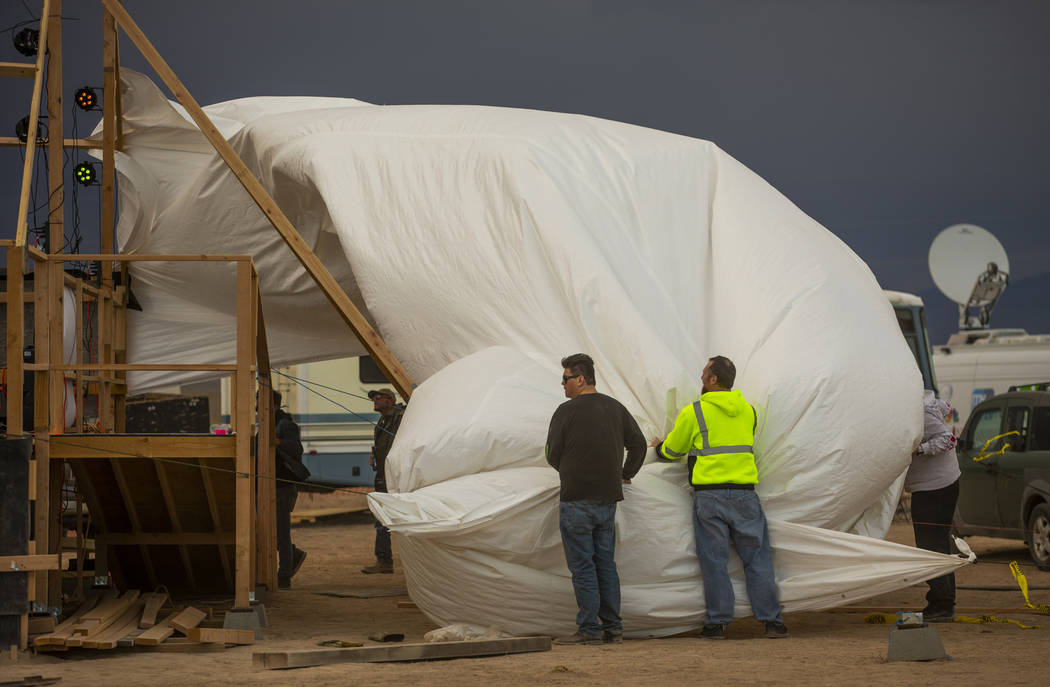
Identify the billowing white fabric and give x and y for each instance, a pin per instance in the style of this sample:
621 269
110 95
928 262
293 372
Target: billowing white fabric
457 229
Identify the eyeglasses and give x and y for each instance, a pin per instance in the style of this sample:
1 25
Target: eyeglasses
566 378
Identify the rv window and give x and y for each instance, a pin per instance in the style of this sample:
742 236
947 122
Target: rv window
369 373
984 427
1017 421
1041 430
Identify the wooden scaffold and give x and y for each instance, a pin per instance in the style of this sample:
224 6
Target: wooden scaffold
192 513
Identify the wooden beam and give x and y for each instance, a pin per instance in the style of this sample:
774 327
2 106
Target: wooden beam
402 652
371 340
56 189
166 538
65 628
26 563
105 614
125 624
13 142
82 446
110 87
152 604
21 229
18 70
41 391
132 367
148 257
15 338
266 485
220 635
187 619
241 414
159 632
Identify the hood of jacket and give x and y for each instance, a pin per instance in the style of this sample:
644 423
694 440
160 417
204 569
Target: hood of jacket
732 403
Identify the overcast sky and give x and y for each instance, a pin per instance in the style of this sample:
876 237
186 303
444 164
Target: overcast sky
885 120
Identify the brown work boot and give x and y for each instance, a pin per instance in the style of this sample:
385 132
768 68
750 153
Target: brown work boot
578 639
384 567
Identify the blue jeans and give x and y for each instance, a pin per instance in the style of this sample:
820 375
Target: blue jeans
588 534
721 516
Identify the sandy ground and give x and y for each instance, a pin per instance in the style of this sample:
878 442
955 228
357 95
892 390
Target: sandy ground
827 648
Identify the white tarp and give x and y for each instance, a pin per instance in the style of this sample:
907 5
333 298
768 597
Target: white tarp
458 229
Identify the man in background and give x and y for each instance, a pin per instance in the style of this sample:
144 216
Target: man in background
289 470
585 444
384 401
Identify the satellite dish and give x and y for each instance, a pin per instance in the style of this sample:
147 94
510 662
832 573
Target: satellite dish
970 267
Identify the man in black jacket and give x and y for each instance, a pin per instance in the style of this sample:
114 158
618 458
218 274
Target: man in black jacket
585 444
384 401
289 460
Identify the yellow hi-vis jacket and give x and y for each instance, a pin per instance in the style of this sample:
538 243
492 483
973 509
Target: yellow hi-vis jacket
719 432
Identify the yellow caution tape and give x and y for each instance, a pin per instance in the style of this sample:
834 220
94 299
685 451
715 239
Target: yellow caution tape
1006 444
881 619
1022 582
992 619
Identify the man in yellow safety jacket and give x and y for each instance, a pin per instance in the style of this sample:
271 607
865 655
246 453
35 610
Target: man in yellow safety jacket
717 433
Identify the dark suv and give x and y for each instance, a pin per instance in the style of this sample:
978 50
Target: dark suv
1007 493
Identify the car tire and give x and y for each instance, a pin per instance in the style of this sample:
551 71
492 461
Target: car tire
1039 536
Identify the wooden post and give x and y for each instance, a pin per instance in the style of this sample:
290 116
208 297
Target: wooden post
110 88
56 319
56 236
242 423
371 340
21 229
41 392
79 358
267 486
15 337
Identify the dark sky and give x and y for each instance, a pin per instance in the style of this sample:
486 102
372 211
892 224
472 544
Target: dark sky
885 120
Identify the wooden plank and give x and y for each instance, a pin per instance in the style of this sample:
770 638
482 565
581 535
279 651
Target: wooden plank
424 651
181 645
159 632
41 390
266 485
167 539
407 604
188 619
152 604
143 446
25 563
136 367
150 257
127 622
14 142
21 229
65 628
78 386
959 610
104 614
241 414
56 188
220 635
375 345
18 70
15 338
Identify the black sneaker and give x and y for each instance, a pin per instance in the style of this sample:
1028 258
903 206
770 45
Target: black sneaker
612 637
939 616
298 556
775 630
578 639
714 631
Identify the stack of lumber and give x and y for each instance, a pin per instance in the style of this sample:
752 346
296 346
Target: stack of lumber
107 620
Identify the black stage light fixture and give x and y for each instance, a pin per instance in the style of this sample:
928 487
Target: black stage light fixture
27 41
85 173
22 130
86 98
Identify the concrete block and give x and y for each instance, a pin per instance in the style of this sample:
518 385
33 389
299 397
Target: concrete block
243 619
915 644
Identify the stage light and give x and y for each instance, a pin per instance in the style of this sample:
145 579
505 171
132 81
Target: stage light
85 173
27 41
22 130
86 98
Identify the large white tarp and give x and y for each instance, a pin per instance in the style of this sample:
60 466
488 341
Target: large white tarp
499 240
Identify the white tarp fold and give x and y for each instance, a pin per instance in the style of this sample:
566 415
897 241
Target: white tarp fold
522 236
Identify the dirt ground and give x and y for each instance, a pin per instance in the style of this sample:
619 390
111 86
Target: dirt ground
826 648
